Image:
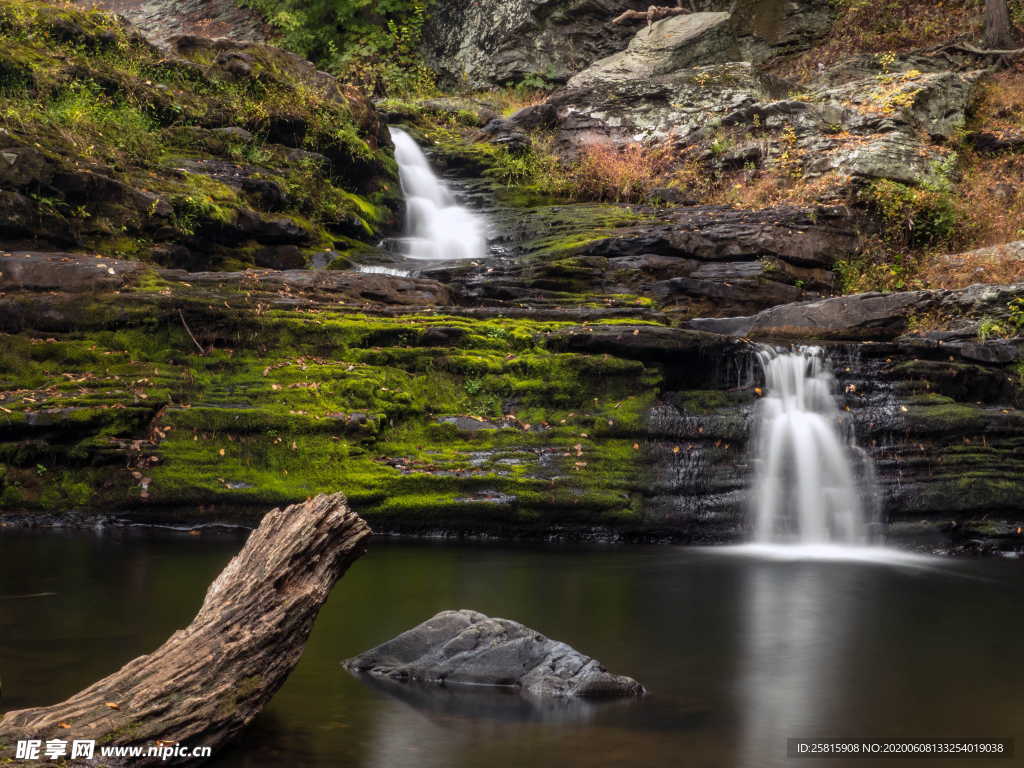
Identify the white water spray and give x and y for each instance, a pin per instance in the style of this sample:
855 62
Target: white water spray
437 227
805 486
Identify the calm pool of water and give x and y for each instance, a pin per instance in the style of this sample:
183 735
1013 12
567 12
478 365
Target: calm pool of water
738 652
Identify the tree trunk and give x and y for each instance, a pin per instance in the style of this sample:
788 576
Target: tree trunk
998 29
207 682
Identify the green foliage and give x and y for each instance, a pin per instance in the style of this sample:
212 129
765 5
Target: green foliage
372 42
75 87
884 272
915 217
1010 326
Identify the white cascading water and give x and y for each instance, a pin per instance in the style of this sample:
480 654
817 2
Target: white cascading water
437 227
805 486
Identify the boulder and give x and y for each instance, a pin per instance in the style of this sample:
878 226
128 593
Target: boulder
666 46
861 316
468 648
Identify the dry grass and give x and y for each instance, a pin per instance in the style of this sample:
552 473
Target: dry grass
627 174
1000 264
882 26
508 101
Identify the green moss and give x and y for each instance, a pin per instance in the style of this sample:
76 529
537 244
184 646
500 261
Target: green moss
76 88
292 403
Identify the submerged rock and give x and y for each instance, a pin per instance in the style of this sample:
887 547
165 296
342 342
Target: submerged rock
468 648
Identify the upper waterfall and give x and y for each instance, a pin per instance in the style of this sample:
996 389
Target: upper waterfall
437 227
806 486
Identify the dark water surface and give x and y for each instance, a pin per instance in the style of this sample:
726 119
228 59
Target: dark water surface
739 653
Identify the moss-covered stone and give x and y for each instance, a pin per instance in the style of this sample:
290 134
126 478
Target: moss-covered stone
125 151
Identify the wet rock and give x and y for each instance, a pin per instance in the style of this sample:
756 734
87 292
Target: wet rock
268 194
441 336
468 648
72 273
17 214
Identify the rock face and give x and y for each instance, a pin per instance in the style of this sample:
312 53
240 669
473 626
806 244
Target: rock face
856 121
159 19
468 648
710 261
496 42
492 42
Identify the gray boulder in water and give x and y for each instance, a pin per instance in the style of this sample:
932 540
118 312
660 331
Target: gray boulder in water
469 648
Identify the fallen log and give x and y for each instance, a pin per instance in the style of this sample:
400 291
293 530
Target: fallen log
209 680
652 14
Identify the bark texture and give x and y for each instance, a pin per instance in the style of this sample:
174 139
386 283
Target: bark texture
998 29
209 680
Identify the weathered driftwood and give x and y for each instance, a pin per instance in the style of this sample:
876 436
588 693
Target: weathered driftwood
652 14
207 682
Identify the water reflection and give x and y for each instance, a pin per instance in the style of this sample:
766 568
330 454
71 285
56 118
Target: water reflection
447 703
739 652
795 646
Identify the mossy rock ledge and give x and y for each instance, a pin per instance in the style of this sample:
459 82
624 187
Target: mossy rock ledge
157 395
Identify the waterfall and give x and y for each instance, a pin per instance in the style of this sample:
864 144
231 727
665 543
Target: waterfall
437 227
806 487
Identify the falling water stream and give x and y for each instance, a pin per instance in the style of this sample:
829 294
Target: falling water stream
807 487
437 227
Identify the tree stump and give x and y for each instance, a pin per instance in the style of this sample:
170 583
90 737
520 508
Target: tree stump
998 27
209 680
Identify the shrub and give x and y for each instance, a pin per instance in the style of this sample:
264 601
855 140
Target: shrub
374 43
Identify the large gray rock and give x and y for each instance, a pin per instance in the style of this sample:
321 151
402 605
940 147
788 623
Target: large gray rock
666 46
469 648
